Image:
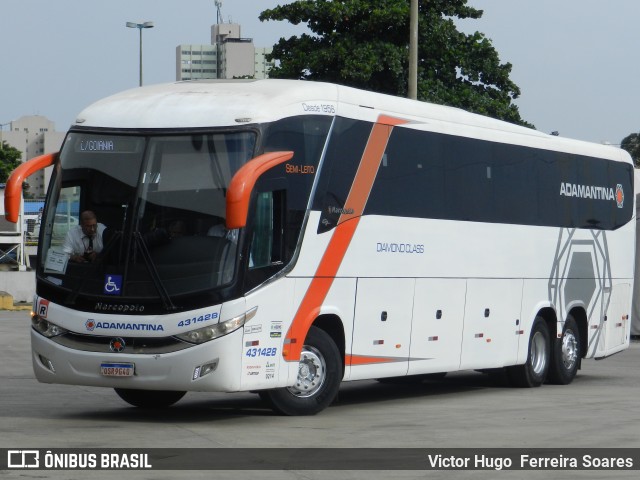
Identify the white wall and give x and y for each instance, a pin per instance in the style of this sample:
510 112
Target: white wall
20 285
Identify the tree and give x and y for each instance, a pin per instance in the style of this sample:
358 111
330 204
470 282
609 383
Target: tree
631 143
10 158
364 44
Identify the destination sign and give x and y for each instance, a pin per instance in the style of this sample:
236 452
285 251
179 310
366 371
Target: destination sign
107 144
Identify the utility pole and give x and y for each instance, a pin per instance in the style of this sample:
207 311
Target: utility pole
140 26
413 51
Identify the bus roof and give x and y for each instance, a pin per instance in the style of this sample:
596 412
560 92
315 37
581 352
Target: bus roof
204 103
219 103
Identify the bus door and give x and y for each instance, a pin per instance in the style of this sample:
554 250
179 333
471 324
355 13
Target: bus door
382 327
616 326
491 323
436 332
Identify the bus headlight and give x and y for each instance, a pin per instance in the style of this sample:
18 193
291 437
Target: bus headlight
211 332
46 328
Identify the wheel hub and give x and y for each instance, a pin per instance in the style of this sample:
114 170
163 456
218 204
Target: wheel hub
538 353
311 373
569 349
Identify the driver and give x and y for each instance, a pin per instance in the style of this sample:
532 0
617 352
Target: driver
83 242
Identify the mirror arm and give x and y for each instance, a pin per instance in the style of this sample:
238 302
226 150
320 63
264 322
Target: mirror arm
242 183
13 189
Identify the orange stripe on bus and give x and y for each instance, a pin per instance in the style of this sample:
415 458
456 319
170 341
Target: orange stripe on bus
394 121
316 293
311 304
354 360
367 171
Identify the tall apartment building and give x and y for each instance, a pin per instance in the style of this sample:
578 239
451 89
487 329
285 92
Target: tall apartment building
34 135
228 56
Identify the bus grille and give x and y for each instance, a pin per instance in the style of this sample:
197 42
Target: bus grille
133 345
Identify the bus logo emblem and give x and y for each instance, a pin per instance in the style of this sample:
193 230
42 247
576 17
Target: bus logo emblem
112 284
619 196
117 345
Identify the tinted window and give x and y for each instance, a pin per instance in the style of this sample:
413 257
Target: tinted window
306 137
344 151
431 175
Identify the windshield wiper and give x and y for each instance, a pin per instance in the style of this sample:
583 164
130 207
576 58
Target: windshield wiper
167 303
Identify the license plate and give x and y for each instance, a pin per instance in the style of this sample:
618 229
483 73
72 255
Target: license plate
117 369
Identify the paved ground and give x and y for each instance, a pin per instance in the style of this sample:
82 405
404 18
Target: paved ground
600 409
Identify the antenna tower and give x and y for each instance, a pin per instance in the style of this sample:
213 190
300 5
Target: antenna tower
218 11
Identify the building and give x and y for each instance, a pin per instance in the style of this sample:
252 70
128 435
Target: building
34 135
228 56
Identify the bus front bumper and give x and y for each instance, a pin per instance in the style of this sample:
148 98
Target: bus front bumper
211 366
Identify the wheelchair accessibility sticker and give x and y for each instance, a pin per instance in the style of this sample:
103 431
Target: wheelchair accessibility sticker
112 284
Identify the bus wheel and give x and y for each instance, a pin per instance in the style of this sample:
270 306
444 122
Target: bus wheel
149 398
534 372
565 354
319 377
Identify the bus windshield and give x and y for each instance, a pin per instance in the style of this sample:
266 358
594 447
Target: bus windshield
159 205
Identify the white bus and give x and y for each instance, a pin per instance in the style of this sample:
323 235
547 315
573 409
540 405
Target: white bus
327 234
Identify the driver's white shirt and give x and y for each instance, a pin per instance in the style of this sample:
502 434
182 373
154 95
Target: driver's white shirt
76 242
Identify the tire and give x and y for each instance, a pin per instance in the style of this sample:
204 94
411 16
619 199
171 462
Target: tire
565 354
534 372
149 398
319 377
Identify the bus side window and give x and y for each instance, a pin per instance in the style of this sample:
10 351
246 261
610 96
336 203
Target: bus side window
66 215
268 230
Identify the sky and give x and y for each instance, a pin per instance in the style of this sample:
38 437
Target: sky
574 60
